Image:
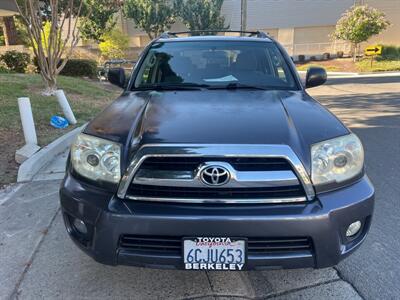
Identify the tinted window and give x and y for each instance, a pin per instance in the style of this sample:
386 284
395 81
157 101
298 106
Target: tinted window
215 63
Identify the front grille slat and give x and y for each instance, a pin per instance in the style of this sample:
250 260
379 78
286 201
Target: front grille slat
239 163
173 245
151 244
204 193
148 239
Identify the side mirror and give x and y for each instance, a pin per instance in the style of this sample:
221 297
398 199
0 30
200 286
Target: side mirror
116 76
315 77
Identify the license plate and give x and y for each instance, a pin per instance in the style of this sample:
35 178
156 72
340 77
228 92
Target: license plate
214 253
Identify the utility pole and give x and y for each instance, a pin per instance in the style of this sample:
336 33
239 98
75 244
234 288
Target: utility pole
243 15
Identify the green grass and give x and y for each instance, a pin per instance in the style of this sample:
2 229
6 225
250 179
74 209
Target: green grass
304 67
378 66
87 98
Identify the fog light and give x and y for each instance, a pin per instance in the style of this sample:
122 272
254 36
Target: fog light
353 229
80 226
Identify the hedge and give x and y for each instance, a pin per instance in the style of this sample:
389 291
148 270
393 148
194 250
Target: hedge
80 68
16 61
390 52
77 68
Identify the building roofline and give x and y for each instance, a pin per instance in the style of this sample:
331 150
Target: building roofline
8 8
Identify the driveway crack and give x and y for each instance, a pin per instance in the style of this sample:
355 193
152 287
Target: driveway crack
15 292
211 285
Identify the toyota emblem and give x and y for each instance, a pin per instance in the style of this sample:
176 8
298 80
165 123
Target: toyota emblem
215 175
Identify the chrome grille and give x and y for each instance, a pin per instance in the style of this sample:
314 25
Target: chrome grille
253 180
253 166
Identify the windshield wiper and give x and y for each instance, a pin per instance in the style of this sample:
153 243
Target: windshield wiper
169 87
235 85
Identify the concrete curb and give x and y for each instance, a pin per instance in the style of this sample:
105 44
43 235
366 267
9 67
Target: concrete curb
357 75
32 165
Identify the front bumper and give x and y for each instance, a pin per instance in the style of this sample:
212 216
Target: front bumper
324 221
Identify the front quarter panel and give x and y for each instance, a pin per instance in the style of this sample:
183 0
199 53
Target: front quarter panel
117 121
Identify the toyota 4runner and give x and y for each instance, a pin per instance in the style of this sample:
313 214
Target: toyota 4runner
214 157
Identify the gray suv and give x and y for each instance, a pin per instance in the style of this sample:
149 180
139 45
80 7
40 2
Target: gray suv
214 157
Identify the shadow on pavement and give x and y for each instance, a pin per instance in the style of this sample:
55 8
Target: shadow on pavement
363 80
374 269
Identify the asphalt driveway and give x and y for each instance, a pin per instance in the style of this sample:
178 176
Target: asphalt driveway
37 259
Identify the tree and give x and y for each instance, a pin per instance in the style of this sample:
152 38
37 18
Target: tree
100 20
9 31
114 44
358 24
152 16
53 49
21 36
201 15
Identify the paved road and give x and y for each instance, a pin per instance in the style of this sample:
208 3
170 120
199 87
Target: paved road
37 259
371 107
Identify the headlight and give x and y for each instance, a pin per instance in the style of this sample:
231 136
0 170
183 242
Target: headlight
96 158
336 160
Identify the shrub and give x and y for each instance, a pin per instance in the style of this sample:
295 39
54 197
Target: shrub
340 54
4 70
302 58
114 44
16 61
80 68
76 68
390 53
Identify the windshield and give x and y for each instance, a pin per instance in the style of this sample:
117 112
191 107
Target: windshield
214 64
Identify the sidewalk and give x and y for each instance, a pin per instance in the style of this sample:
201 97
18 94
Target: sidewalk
356 75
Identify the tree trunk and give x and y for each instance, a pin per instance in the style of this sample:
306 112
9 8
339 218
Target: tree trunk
10 33
51 86
355 52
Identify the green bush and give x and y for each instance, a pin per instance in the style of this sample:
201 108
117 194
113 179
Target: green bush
76 68
4 70
16 61
80 68
114 45
390 52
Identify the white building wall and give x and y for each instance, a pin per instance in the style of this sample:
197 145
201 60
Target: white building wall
305 26
391 8
231 11
286 13
302 26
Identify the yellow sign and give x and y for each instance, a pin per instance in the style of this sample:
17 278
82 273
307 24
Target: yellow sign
373 50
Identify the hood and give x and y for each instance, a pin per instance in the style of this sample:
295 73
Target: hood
219 117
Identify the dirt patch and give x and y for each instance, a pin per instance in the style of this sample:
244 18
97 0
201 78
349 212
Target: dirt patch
11 140
333 65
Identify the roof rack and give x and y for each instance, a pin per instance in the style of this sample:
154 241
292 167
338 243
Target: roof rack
257 33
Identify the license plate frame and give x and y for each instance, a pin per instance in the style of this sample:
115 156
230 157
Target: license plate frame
222 267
